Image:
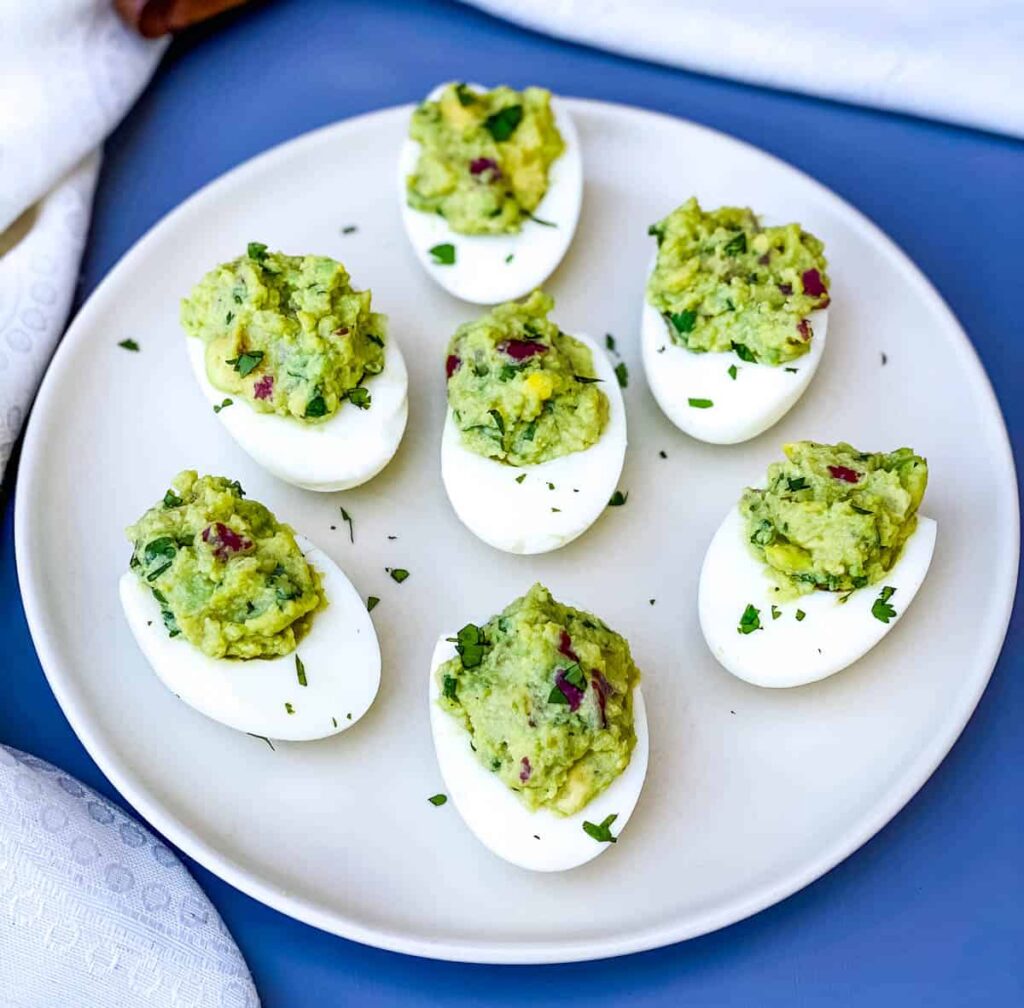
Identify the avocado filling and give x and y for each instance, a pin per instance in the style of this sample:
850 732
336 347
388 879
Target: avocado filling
545 692
723 282
287 333
484 157
228 576
832 517
522 391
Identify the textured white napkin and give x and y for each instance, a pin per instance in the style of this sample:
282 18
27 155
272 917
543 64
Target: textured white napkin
95 912
69 70
957 60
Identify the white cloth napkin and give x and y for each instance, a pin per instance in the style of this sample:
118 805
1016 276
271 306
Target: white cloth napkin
95 912
946 59
69 70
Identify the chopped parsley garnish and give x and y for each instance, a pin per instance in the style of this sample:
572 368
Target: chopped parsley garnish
609 342
510 257
683 321
791 370
733 371
246 362
300 671
465 96
334 721
618 498
358 396
160 551
499 420
371 603
398 574
470 646
776 611
520 477
750 620
438 799
700 403
800 483
448 687
601 832
880 608
743 352
556 510
800 614
538 220
584 380
651 601
227 318
503 123
128 344
622 373
316 407
171 499
346 517
224 404
551 486
256 251
349 229
289 709
444 254
734 246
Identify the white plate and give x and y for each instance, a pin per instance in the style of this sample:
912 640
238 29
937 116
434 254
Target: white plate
751 793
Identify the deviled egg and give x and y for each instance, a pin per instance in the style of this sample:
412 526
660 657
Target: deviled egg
490 184
808 574
540 731
298 367
535 435
734 320
246 622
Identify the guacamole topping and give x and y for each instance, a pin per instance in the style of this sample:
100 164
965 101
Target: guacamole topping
723 282
522 391
228 576
832 517
287 333
484 157
545 692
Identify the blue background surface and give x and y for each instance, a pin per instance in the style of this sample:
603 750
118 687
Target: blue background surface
930 911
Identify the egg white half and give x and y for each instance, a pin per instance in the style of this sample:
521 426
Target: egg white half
342 452
522 517
482 272
340 654
540 841
788 652
757 398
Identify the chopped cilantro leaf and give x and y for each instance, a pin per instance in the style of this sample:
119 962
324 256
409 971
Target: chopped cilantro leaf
398 574
371 603
683 321
880 608
618 498
700 403
470 645
622 373
733 371
246 362
520 477
224 404
750 620
358 396
345 516
444 254
800 614
503 123
438 799
128 344
256 251
601 832
316 407
300 671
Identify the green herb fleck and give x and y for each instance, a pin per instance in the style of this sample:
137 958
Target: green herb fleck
171 499
735 245
800 483
880 608
800 614
128 344
743 352
609 342
448 687
346 517
444 254
520 477
256 251
300 671
750 620
398 574
224 404
791 370
499 420
700 403
622 373
247 362
584 380
776 612
371 603
316 407
618 498
438 799
543 223
601 832
289 709
733 371
683 321
503 123
470 645
358 396
349 229
510 257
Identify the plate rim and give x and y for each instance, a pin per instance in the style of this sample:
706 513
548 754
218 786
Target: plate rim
188 840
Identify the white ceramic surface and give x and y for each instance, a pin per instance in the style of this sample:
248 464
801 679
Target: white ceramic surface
741 806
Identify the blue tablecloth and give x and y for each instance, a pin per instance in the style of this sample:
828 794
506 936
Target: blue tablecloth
929 912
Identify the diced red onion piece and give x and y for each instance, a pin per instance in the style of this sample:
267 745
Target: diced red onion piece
452 364
786 289
264 388
844 474
525 769
804 328
521 349
812 283
571 693
225 540
479 165
565 646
